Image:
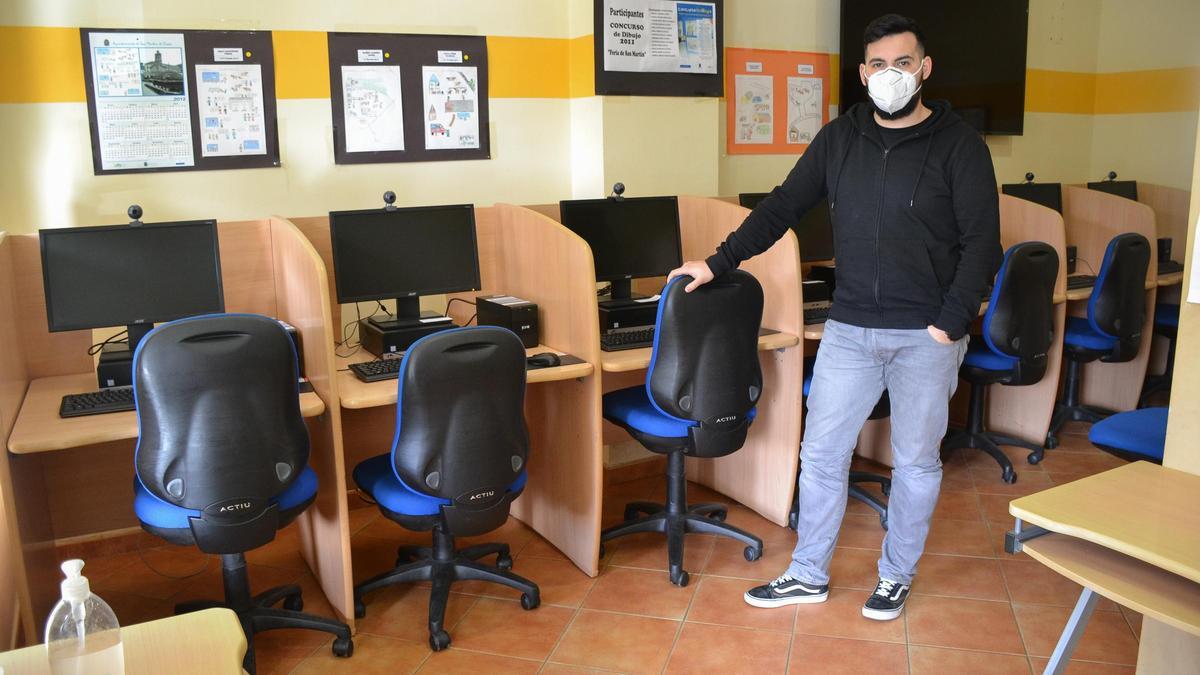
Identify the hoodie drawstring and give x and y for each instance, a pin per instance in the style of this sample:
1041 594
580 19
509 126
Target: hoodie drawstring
913 197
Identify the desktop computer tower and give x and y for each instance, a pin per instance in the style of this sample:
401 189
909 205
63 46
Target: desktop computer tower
396 340
630 315
1164 249
519 316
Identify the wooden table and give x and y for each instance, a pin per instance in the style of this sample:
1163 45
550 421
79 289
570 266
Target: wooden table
639 359
356 394
1131 534
207 642
39 428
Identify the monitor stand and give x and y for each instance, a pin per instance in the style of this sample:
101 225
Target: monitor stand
621 294
115 368
408 315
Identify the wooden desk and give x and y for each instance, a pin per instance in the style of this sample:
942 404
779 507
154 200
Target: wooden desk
356 394
1131 534
200 643
1170 279
1074 294
40 429
639 359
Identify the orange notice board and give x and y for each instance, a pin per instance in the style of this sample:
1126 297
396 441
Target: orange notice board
776 100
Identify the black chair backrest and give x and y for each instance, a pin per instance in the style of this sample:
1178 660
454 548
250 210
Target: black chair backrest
705 365
1117 307
1019 322
460 423
220 429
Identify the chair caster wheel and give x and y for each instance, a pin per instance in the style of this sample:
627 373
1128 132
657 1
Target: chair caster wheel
439 640
630 514
883 523
681 580
360 609
887 489
343 648
530 601
1009 476
1051 442
293 603
792 520
751 553
719 516
504 561
1034 457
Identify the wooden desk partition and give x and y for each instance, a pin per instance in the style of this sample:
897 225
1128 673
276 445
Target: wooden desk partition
762 475
1092 219
524 253
1025 412
14 379
85 491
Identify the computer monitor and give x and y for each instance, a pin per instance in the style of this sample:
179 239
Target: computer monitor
631 237
814 231
404 253
1120 188
132 275
1048 195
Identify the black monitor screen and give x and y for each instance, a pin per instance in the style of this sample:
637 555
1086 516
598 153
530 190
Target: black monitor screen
125 275
1120 188
631 238
815 230
424 250
1048 195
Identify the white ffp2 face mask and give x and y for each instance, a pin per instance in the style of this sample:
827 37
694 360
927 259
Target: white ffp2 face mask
892 88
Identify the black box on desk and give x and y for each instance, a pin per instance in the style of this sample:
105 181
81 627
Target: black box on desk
519 316
115 368
394 340
628 314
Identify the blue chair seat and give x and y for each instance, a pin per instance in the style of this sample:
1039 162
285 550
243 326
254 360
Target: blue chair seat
1141 432
1080 333
377 478
164 515
632 408
1166 315
809 364
979 355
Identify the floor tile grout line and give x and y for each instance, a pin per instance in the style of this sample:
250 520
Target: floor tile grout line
683 619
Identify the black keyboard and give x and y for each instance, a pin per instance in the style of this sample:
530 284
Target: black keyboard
1080 281
1169 267
374 371
815 315
114 399
627 339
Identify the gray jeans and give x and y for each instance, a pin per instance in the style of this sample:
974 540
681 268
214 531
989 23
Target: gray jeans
854 366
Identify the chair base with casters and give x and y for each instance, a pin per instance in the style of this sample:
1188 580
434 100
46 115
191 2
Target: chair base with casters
982 369
255 613
1070 409
1134 435
441 564
1166 324
676 519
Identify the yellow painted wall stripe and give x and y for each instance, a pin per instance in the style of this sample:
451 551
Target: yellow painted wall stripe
43 65
40 65
301 64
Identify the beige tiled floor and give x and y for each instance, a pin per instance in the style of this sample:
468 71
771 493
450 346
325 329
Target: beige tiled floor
974 609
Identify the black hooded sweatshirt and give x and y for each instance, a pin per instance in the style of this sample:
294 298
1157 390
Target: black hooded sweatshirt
916 219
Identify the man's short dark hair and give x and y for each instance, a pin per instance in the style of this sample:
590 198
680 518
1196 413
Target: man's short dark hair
892 24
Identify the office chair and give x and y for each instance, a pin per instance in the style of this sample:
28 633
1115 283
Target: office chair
701 387
881 410
1134 435
1112 331
1166 324
456 464
222 456
1018 329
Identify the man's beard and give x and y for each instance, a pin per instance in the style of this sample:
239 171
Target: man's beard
903 112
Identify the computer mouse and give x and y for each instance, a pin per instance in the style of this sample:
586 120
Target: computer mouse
543 360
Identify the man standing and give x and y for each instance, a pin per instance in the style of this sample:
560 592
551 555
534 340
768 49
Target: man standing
912 198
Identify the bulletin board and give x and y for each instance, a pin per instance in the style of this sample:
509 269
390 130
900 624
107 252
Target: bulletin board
776 101
408 98
180 100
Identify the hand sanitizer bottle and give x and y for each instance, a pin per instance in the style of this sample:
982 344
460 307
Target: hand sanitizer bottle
82 635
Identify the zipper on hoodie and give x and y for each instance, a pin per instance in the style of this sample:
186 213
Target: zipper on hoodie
878 228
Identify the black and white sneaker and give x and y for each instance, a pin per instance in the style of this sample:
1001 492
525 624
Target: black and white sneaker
786 591
887 601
